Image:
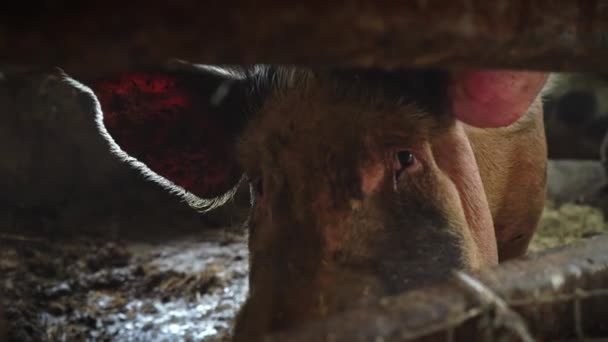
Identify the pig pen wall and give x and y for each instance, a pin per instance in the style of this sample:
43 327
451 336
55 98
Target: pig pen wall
58 176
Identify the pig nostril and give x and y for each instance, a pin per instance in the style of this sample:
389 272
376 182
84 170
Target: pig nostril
406 158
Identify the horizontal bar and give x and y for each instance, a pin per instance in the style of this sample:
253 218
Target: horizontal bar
96 37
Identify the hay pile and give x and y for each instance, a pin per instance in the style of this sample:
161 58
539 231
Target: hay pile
566 223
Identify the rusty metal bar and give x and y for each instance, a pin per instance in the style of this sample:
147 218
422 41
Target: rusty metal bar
562 294
93 37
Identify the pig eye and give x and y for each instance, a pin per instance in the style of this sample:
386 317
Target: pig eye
406 158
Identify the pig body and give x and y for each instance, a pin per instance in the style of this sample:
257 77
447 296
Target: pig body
339 221
363 184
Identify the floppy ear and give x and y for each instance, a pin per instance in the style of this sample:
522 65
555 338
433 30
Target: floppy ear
177 126
493 98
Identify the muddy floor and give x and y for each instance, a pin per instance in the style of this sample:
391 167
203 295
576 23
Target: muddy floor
182 287
98 289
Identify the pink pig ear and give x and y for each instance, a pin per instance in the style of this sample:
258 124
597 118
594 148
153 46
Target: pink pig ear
176 126
493 98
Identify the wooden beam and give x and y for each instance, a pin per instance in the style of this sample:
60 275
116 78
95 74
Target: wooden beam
562 293
95 37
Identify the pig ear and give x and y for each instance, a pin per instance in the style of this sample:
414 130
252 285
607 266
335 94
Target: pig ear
493 98
177 127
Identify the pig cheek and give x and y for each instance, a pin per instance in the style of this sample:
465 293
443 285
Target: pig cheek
454 156
433 193
448 197
331 229
371 178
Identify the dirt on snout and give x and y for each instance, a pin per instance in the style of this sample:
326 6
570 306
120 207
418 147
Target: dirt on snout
95 289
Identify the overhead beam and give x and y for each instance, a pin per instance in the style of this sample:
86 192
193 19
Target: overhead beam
94 37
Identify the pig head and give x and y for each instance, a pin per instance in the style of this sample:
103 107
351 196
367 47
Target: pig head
363 183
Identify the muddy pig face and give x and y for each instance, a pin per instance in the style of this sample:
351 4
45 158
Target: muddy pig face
352 174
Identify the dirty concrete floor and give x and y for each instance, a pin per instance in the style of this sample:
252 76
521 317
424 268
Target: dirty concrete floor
96 289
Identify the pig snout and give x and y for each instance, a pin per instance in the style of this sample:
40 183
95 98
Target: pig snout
363 184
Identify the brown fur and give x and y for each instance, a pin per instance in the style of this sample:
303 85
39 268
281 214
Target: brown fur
330 231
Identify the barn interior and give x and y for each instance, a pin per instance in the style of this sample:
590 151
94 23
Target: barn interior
91 250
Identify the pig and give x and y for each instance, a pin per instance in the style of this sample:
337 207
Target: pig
363 183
